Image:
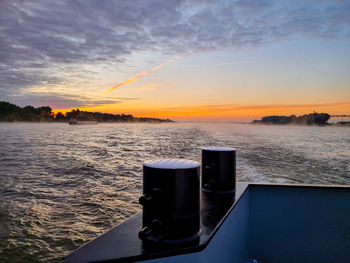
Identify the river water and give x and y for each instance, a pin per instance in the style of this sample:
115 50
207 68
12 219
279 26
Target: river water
62 185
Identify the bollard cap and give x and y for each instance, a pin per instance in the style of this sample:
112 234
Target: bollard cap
219 149
171 164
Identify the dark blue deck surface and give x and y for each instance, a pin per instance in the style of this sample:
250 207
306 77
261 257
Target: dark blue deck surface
299 224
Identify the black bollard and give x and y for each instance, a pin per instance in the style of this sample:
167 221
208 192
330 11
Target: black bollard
219 169
170 201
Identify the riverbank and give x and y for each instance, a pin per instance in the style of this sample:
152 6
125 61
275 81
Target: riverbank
12 113
319 119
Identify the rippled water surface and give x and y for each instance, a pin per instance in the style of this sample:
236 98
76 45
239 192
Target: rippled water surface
61 185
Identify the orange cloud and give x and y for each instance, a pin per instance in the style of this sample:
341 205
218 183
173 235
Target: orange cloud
143 73
151 86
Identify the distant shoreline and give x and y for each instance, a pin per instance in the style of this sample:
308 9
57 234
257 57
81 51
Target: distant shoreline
311 119
12 113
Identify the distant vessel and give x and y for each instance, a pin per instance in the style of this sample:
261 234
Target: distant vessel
76 122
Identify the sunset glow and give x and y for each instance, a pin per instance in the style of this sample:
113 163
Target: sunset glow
227 61
222 112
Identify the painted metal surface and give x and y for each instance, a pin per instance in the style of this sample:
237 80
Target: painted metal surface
282 223
121 243
266 223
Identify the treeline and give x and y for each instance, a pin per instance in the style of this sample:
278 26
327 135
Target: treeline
103 117
10 113
307 119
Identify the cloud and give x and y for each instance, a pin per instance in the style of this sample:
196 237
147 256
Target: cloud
151 86
145 72
63 101
39 40
214 64
256 107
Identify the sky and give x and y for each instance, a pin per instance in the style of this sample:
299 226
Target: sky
183 60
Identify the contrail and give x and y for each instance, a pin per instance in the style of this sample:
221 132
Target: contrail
143 73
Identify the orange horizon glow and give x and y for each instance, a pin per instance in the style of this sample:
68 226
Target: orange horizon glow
221 112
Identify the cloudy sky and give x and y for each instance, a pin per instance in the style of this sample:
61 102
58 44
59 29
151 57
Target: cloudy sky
224 60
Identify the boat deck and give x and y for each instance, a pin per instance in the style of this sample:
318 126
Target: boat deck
263 222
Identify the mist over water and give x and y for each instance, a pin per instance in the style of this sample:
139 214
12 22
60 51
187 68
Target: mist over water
62 185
